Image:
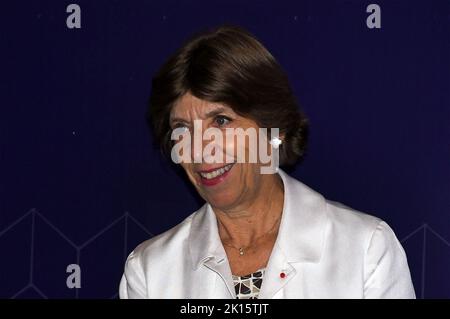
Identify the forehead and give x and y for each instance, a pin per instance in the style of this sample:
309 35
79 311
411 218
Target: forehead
189 105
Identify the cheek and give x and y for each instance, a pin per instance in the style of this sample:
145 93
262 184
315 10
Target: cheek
229 148
240 149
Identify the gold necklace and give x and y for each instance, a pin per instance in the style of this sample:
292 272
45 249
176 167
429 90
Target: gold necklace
242 248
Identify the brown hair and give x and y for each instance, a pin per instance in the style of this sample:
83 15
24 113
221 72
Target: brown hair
228 65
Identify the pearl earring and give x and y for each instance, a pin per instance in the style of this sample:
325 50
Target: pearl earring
275 142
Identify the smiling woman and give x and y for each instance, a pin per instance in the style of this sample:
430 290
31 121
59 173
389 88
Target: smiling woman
258 235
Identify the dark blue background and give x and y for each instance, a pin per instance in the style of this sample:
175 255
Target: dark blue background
81 183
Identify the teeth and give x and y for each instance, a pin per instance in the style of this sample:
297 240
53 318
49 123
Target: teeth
217 172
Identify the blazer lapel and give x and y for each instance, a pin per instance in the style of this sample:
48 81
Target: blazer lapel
301 236
223 271
206 250
278 273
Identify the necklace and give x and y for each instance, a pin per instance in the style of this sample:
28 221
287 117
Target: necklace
242 249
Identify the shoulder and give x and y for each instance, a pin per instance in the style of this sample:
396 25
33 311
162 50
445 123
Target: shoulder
339 219
369 230
350 220
343 225
370 241
373 235
172 239
156 253
358 238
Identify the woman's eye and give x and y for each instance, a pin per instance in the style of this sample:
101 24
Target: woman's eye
222 120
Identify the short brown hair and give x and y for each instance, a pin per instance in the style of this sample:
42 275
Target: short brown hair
229 65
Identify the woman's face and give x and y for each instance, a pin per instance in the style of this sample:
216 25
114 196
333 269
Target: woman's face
224 185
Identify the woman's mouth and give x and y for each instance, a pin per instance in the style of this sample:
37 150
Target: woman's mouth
215 176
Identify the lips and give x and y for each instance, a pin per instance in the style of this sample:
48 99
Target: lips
214 176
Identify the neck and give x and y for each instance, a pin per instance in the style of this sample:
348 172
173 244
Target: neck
243 225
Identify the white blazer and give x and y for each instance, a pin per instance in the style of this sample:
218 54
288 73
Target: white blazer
325 250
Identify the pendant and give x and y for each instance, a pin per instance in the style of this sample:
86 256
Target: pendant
241 251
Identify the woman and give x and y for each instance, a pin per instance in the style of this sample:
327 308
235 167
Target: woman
258 235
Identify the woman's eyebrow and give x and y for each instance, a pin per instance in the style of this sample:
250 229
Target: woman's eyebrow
209 114
215 112
177 120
